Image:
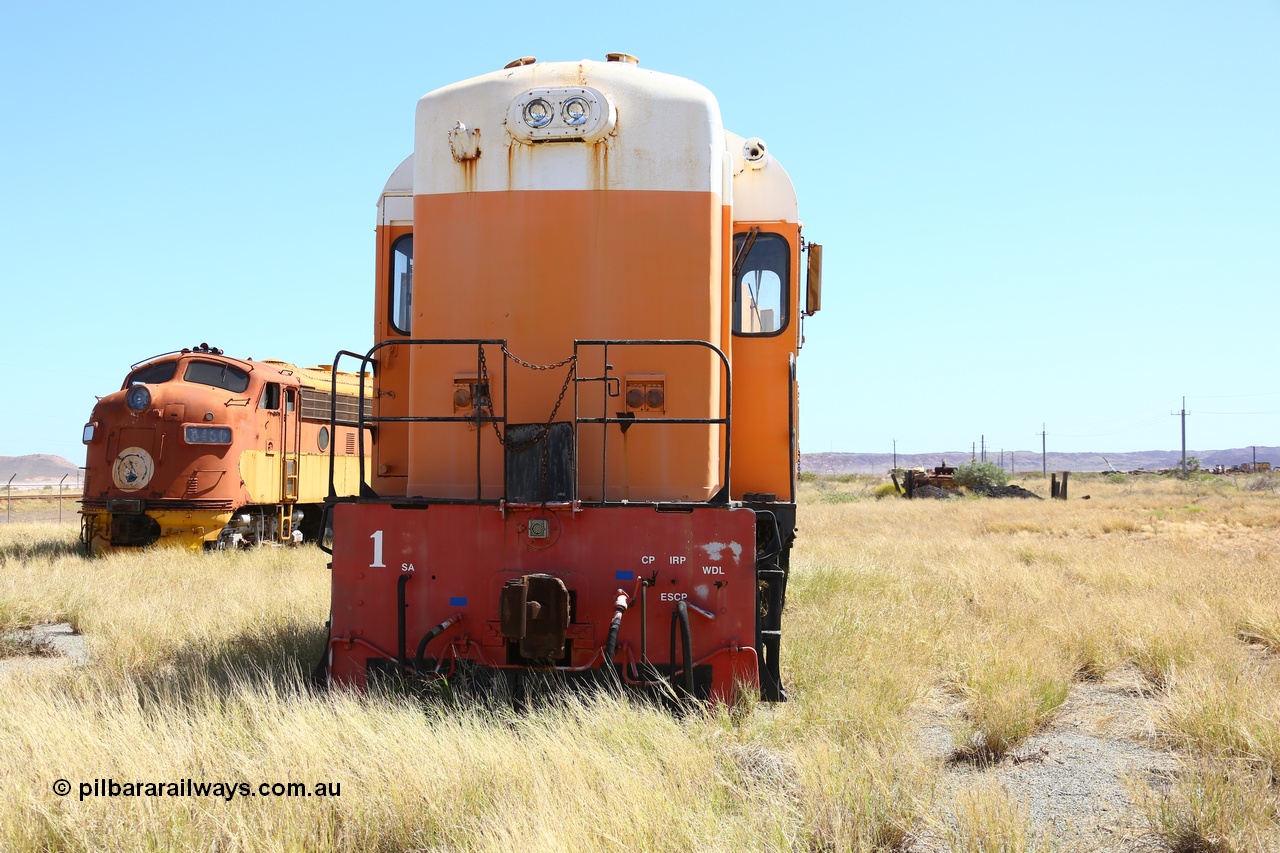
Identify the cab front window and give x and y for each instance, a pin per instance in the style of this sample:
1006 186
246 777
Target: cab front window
152 374
224 376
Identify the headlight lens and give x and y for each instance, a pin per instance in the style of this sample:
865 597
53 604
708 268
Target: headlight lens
207 434
538 113
138 398
88 433
576 112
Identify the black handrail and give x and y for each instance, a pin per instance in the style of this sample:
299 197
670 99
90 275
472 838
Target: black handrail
368 359
723 495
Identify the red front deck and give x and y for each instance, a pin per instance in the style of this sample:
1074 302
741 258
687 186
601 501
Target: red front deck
459 557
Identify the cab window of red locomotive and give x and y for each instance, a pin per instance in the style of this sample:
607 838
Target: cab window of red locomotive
760 287
288 400
401 283
152 374
225 376
270 396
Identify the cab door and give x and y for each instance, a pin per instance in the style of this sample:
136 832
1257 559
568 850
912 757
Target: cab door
764 324
290 439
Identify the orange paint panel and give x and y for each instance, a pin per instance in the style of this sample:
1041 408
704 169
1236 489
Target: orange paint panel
549 267
391 449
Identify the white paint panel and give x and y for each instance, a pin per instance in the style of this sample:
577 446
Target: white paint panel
395 208
765 194
396 201
668 136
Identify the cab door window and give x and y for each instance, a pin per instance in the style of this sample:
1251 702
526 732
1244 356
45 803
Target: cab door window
762 265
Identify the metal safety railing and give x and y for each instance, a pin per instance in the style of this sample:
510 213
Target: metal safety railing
721 496
477 416
495 412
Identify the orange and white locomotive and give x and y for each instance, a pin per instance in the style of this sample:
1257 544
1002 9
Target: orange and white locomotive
587 316
199 449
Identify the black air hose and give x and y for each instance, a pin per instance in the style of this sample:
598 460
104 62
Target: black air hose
680 616
611 645
419 663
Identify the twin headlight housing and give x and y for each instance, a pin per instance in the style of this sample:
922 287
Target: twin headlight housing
562 113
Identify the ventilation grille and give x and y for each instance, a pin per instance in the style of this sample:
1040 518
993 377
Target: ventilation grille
315 406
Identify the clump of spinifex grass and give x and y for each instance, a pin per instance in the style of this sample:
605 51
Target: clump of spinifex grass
1227 709
863 795
1012 687
1216 806
989 820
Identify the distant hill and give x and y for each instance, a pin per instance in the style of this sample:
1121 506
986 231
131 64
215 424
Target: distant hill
43 468
1030 460
36 468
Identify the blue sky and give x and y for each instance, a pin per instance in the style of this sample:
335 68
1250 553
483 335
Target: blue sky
1057 213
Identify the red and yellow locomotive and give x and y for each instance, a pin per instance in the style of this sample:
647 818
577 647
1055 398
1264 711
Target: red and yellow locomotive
198 449
587 317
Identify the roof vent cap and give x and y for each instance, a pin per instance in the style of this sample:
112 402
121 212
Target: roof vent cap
622 57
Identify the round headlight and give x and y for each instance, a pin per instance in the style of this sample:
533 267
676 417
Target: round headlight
138 398
537 113
576 111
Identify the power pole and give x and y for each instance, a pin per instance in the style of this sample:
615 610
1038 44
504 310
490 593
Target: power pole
984 448
1044 464
973 452
1183 414
895 454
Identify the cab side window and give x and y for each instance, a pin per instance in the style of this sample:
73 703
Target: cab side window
270 396
402 284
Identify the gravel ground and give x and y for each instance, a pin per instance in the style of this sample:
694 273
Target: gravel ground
1074 778
50 645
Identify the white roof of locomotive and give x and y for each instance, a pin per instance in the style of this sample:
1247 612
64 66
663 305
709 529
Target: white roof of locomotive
668 134
661 157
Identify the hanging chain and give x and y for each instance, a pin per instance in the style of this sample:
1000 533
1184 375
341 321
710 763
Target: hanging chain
520 361
571 361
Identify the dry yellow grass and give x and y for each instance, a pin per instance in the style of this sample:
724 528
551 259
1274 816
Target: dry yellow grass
197 667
